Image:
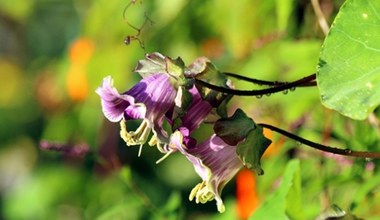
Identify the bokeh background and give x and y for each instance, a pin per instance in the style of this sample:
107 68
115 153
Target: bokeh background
55 53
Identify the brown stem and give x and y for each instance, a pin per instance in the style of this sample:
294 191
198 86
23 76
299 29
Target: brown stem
264 82
321 147
283 87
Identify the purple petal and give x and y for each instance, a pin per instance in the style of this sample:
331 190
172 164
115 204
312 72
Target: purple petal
197 111
113 104
216 163
218 156
136 111
149 99
156 93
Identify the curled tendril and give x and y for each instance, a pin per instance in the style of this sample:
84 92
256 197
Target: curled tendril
136 37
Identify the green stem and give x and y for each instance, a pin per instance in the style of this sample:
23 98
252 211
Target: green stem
321 147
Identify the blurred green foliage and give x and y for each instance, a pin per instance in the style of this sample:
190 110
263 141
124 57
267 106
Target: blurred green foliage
47 92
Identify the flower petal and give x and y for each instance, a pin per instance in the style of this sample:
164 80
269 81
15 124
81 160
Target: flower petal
215 162
113 104
156 93
197 111
136 111
150 99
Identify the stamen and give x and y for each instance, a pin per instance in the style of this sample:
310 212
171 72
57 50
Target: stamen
201 193
204 195
194 191
140 149
145 132
141 130
123 128
154 141
137 137
160 147
220 206
164 157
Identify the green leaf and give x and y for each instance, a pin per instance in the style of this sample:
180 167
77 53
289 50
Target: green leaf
153 63
130 209
197 66
368 187
251 150
234 129
335 212
175 68
171 210
284 9
285 202
157 63
349 64
212 75
222 109
241 131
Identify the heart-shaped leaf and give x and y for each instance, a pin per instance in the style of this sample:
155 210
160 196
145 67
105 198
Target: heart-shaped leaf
252 149
234 129
349 64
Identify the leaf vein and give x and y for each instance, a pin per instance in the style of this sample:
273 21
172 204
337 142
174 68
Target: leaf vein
357 41
374 9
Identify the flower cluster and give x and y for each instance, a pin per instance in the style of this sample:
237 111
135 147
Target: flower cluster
168 94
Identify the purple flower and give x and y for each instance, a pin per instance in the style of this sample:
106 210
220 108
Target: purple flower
148 100
193 114
215 162
191 120
197 112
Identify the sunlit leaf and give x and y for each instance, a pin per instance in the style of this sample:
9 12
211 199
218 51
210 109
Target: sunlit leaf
153 63
157 63
284 10
336 213
175 67
333 211
285 202
349 65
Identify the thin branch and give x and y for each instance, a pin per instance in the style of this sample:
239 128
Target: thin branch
321 147
263 82
285 87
